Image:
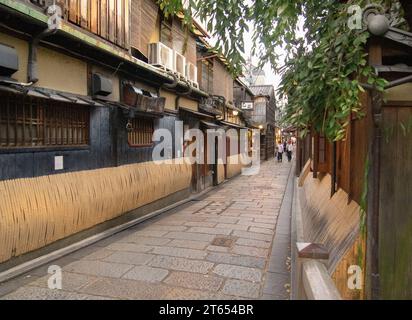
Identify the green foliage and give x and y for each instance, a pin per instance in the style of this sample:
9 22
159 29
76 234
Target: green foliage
363 207
364 199
325 64
322 82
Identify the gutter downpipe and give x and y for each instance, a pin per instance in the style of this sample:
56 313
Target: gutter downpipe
174 85
182 94
32 75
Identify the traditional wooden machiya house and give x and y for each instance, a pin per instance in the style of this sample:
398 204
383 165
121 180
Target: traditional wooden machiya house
78 107
355 193
215 78
263 116
244 101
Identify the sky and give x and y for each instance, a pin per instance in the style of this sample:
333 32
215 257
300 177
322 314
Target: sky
271 76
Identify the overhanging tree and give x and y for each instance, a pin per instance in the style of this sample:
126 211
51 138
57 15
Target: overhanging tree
323 69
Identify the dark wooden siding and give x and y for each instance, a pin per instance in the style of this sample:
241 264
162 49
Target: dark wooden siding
184 42
222 81
359 150
108 19
108 147
144 23
395 239
34 162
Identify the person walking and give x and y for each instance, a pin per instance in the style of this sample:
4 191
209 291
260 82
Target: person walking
289 150
280 151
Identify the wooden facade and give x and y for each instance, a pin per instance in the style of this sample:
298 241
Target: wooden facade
395 215
264 117
71 150
148 26
371 165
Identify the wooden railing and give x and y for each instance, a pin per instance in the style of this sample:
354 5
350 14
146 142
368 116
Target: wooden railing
310 278
317 283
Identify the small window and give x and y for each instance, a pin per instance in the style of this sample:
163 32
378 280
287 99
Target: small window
166 32
141 132
206 81
31 122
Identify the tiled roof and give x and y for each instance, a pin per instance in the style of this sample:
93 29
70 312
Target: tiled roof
266 90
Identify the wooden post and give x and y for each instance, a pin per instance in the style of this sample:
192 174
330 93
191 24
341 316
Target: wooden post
313 280
315 154
372 242
299 161
334 169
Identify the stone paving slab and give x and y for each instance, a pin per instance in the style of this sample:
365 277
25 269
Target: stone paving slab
242 288
252 235
140 240
98 268
253 243
128 247
226 246
190 236
126 289
145 273
181 264
237 260
237 272
180 252
33 293
189 244
129 258
209 231
250 251
195 281
70 281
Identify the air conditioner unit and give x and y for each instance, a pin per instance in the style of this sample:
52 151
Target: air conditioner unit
191 74
179 64
161 56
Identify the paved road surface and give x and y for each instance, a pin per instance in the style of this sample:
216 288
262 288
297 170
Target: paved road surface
223 246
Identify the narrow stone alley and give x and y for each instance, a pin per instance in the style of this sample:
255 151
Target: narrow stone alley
229 244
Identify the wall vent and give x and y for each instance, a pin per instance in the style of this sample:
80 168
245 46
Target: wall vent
9 61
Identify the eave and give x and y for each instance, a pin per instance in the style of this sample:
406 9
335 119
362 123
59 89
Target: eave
73 33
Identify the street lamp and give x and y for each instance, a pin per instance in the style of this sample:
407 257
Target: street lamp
261 127
235 113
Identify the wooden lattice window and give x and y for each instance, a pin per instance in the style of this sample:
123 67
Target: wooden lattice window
141 132
109 19
206 76
31 122
166 31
